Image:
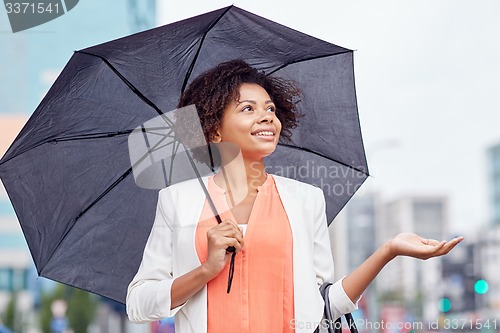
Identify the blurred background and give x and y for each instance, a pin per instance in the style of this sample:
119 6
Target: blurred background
427 77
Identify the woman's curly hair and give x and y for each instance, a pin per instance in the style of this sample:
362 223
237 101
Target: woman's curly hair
214 89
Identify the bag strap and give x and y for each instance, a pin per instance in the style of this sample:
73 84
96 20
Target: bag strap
351 323
334 326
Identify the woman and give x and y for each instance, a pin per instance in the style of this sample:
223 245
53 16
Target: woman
277 225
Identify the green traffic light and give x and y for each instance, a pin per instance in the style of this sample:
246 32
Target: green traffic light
444 305
481 287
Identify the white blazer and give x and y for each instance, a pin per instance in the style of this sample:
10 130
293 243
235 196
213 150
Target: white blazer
170 252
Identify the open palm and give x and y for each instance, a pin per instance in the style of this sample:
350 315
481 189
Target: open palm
412 245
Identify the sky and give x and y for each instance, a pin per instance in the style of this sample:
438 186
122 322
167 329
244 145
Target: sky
427 81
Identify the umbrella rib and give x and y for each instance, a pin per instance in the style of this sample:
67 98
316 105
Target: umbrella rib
163 146
123 176
72 138
132 87
174 153
191 67
106 191
324 156
306 59
124 79
91 136
105 135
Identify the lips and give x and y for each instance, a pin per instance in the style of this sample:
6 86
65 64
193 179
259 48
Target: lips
264 132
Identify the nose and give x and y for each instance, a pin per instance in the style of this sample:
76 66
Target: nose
265 117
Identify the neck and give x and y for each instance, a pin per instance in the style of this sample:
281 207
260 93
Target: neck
240 177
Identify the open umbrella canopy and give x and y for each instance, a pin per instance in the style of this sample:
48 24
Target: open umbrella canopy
69 173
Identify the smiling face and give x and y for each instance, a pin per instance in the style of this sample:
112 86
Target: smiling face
213 93
251 123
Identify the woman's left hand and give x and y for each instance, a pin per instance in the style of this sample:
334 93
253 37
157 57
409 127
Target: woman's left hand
412 245
405 244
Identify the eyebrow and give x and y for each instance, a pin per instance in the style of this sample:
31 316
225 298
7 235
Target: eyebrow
251 101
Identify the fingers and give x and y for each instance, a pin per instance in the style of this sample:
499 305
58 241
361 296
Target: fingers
223 242
444 247
232 230
433 242
221 237
226 234
451 244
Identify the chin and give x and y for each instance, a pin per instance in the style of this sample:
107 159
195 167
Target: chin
257 157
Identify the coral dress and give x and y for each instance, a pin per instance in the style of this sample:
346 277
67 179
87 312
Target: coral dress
261 297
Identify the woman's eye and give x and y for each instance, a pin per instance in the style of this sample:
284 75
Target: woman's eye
250 108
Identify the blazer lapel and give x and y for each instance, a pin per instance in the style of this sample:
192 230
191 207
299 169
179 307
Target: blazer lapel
307 299
190 205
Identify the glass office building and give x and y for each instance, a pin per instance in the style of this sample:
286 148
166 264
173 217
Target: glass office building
30 61
494 181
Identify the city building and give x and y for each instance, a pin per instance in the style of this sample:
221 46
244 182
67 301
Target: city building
414 284
353 240
16 267
486 263
471 287
459 276
353 232
489 236
31 62
494 182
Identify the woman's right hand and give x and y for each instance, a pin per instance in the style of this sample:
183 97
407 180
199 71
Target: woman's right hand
220 237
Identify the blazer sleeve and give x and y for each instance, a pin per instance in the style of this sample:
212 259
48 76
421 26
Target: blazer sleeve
323 261
148 295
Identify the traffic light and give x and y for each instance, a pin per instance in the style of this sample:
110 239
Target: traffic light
481 287
444 305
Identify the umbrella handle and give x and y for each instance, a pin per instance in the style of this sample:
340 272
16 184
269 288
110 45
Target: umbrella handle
231 270
230 249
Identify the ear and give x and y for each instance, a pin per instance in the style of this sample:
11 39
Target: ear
216 138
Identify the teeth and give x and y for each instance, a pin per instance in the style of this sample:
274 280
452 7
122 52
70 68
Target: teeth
264 133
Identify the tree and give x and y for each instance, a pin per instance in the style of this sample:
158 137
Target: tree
45 311
10 313
81 308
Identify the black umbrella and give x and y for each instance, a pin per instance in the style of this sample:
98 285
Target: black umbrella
69 175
